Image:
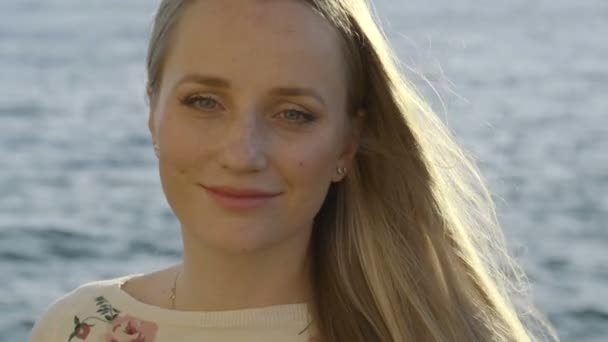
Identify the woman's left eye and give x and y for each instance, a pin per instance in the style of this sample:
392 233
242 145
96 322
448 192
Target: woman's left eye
298 117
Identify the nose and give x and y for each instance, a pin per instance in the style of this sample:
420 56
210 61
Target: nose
243 145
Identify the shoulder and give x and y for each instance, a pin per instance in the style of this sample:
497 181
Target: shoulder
61 318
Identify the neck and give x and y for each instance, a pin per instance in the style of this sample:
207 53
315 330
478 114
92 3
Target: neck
216 281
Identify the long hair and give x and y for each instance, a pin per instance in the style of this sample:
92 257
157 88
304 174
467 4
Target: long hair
407 247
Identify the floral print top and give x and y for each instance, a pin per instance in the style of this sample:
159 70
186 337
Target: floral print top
117 326
102 312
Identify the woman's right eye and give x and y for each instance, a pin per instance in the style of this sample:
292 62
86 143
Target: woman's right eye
200 102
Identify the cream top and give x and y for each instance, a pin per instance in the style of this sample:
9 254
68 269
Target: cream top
103 311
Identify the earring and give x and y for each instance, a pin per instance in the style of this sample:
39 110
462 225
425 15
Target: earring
156 149
341 170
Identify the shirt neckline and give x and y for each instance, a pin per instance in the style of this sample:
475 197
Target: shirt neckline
281 315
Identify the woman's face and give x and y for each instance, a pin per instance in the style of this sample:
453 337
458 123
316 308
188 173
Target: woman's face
253 96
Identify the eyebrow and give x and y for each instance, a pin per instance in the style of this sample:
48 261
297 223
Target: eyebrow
218 82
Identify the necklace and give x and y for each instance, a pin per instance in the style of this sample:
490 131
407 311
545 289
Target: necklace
174 290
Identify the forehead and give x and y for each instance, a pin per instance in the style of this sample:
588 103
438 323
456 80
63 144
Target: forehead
258 40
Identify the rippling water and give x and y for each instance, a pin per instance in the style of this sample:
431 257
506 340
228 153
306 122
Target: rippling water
522 83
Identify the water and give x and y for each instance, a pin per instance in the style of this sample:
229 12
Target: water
521 83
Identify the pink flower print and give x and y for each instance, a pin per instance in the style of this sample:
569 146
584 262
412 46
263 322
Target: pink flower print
83 330
130 329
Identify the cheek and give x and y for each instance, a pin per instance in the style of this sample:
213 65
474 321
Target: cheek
180 143
309 178
311 161
310 165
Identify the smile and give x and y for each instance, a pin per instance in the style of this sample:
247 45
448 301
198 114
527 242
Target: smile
239 201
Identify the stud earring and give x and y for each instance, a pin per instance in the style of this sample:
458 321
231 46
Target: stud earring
341 170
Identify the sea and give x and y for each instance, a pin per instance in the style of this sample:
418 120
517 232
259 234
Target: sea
522 84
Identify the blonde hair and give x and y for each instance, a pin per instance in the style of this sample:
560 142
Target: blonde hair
407 247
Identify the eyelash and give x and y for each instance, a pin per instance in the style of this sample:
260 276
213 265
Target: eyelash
190 101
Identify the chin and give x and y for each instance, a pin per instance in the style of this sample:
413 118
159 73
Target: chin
238 238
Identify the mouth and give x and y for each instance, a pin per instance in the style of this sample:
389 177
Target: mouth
233 198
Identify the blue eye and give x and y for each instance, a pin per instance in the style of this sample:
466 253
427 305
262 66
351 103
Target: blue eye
200 102
298 117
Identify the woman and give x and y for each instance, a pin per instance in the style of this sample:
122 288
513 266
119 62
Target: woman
319 198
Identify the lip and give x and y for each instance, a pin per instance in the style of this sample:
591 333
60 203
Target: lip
239 198
239 192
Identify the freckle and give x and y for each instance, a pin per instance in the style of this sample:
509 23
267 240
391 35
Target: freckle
182 171
301 163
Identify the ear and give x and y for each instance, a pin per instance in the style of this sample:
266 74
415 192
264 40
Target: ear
151 125
353 138
151 114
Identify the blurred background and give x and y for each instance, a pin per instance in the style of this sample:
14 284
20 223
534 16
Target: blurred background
522 84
